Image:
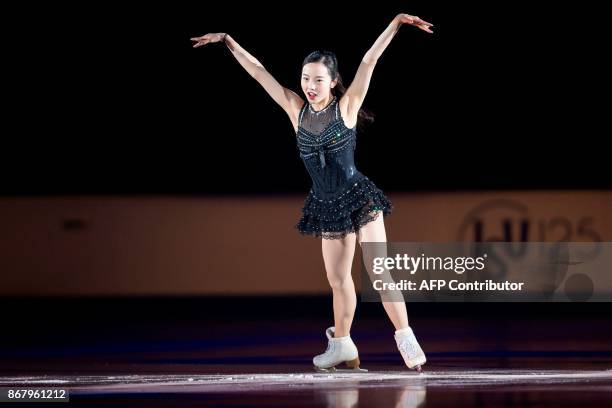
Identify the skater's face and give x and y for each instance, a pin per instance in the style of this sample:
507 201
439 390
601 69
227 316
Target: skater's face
317 83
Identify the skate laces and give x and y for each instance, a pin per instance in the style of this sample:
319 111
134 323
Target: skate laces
331 346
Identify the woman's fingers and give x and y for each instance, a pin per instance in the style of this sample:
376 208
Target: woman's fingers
424 28
418 20
415 20
200 43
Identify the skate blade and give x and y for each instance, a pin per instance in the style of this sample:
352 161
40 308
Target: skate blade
340 370
418 365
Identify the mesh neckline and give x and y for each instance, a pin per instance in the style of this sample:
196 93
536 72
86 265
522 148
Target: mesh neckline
322 110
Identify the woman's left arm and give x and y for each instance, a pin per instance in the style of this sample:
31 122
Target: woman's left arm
356 92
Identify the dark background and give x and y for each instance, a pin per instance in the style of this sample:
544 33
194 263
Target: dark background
110 98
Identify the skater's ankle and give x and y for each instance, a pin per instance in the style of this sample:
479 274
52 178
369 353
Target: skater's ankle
340 333
402 330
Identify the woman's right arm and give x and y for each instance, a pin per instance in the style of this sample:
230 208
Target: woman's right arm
286 98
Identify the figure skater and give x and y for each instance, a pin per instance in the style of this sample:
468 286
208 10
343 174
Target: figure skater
343 205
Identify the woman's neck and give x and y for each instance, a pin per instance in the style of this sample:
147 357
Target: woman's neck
323 104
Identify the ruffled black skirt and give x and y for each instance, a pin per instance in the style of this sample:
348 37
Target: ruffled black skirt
353 208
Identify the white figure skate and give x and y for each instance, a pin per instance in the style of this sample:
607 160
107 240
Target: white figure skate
339 350
410 349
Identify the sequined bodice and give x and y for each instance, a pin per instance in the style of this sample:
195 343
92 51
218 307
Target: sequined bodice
327 148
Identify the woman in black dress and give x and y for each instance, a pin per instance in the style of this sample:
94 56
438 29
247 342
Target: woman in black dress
343 206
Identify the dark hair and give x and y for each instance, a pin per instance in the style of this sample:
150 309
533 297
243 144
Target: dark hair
329 59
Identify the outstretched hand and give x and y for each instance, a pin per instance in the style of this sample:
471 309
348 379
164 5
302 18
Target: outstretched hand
415 21
208 38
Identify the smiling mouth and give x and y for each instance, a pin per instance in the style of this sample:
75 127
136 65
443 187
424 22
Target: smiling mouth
311 95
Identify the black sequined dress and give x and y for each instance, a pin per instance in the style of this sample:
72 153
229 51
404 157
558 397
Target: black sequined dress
341 199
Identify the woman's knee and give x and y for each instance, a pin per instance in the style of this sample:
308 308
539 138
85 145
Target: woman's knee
339 281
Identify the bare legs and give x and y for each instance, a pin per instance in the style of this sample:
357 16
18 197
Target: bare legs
375 232
338 258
